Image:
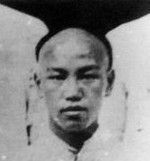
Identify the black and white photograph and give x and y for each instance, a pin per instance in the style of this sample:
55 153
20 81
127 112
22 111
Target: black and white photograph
74 80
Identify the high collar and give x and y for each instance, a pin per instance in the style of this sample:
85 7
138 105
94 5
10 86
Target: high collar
75 139
51 147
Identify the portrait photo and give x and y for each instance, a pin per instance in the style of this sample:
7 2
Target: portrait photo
74 80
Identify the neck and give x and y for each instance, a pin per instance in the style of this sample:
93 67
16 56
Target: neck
75 139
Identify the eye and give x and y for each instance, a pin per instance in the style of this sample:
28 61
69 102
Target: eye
57 77
88 76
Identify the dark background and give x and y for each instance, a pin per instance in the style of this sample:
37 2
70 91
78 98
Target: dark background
93 15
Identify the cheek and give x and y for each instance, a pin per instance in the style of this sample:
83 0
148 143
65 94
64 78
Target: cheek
51 99
52 93
94 89
52 85
50 89
94 96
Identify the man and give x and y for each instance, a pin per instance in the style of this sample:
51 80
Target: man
74 74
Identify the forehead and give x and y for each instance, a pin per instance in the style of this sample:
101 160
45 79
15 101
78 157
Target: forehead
69 46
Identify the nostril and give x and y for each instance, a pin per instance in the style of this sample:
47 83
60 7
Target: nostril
73 98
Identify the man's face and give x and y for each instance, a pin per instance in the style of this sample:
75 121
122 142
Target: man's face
73 83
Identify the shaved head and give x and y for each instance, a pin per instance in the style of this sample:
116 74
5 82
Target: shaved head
100 48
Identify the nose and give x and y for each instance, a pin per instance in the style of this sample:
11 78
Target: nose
73 91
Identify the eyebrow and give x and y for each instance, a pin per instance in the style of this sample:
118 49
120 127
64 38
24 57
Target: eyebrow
80 70
88 68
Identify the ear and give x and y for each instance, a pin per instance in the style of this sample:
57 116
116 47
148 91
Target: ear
110 82
37 80
37 76
30 96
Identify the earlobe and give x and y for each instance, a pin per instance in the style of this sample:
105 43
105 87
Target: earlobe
110 82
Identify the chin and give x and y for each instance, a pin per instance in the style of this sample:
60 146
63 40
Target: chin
69 125
74 127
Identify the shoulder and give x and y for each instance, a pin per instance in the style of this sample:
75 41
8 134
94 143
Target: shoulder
43 150
101 146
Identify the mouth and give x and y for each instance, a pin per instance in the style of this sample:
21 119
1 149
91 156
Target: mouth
74 110
74 115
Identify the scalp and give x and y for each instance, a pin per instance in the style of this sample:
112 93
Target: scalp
75 34
100 47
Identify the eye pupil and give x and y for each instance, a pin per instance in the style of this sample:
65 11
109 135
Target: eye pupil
79 77
88 76
58 77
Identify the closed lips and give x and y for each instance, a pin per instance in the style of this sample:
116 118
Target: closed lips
74 108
